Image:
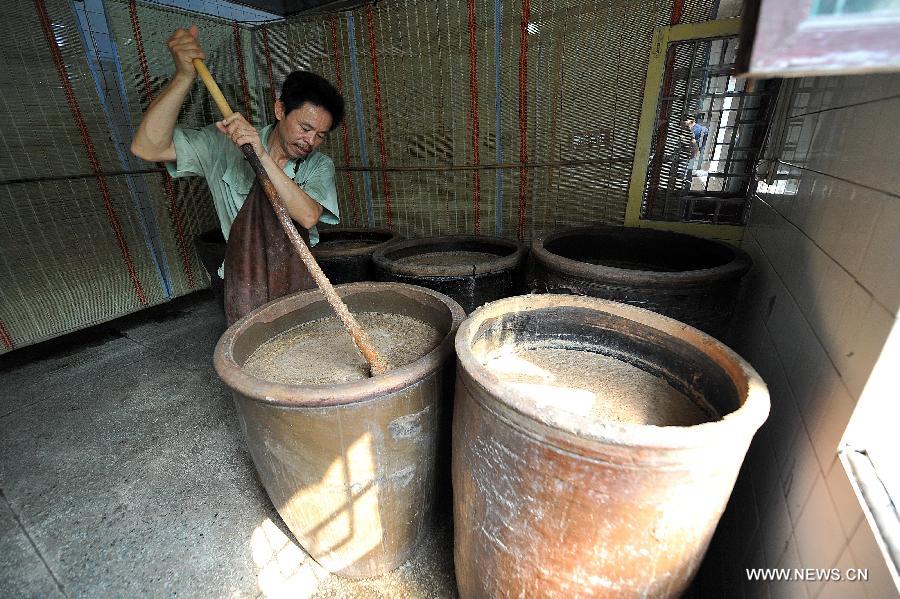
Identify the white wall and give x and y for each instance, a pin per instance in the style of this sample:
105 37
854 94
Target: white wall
820 302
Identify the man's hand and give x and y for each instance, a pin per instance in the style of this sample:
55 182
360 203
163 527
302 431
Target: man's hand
241 132
153 140
185 48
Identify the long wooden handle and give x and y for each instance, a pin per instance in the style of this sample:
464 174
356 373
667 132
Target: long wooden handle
213 87
376 364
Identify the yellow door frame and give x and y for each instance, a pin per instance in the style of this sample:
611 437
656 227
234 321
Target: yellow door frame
662 37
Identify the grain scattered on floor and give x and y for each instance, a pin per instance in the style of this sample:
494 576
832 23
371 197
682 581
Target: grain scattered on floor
428 574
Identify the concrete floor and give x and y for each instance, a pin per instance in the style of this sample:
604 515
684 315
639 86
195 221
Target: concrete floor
123 472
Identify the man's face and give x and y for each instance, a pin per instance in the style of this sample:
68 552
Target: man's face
688 123
303 129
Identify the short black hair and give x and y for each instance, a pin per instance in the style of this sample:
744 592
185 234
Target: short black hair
305 86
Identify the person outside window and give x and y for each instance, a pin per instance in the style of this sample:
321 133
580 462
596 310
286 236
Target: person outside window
700 135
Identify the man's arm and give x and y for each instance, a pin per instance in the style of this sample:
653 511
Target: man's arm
300 205
153 140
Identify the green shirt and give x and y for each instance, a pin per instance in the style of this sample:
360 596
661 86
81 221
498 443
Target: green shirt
209 153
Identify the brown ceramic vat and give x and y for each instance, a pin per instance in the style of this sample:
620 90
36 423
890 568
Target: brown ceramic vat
345 254
684 277
550 504
469 284
352 468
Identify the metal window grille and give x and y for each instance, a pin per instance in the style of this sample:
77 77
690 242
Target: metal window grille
705 180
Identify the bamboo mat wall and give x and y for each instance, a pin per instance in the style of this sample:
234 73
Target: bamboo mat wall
506 118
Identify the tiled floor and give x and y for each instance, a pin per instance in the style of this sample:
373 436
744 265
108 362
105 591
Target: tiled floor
123 473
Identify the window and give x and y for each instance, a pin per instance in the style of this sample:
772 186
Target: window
708 134
701 133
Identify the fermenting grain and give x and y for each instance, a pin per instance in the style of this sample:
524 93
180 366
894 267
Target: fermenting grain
321 352
594 386
347 244
446 259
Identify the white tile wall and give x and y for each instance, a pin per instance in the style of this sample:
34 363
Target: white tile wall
880 259
829 424
789 589
819 304
866 554
813 265
807 369
832 294
766 486
756 590
859 215
799 474
822 545
786 325
775 529
845 501
865 88
845 588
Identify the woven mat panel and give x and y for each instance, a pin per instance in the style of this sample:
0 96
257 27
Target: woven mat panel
70 255
40 136
147 68
406 157
191 207
509 118
155 24
61 265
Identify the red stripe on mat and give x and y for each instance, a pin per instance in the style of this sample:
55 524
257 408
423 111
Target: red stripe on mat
142 57
473 96
389 212
89 147
523 117
268 55
5 338
245 88
168 185
345 138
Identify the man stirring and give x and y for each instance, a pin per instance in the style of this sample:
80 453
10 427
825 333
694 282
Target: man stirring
308 108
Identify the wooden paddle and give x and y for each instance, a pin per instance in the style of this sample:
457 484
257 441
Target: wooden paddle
376 364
